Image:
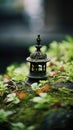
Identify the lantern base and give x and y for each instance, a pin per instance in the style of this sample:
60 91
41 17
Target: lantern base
33 80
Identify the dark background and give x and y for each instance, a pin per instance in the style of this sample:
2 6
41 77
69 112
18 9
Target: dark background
18 30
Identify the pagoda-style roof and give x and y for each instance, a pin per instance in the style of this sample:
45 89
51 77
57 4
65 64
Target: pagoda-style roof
38 55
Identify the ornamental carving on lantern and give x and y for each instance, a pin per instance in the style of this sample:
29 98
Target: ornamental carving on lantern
37 61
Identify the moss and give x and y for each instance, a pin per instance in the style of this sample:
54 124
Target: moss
35 110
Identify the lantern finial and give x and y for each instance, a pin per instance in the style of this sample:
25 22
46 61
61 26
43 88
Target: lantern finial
38 45
38 39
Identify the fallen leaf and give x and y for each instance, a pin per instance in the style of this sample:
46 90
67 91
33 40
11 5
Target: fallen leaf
46 88
21 94
39 91
6 76
53 73
1 91
61 68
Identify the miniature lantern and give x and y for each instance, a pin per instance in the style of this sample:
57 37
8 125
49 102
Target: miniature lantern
38 61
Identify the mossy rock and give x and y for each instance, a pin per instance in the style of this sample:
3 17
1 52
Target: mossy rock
59 119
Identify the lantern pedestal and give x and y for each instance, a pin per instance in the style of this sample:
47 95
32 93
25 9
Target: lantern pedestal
33 79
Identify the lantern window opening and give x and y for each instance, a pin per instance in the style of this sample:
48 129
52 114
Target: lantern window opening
40 67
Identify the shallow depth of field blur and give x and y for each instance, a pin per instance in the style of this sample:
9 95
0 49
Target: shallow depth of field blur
22 20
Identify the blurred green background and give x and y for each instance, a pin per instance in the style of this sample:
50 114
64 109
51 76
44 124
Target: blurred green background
22 20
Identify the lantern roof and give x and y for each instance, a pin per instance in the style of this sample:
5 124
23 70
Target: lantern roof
38 55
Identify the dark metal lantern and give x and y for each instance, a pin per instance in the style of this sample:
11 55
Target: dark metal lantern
38 61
